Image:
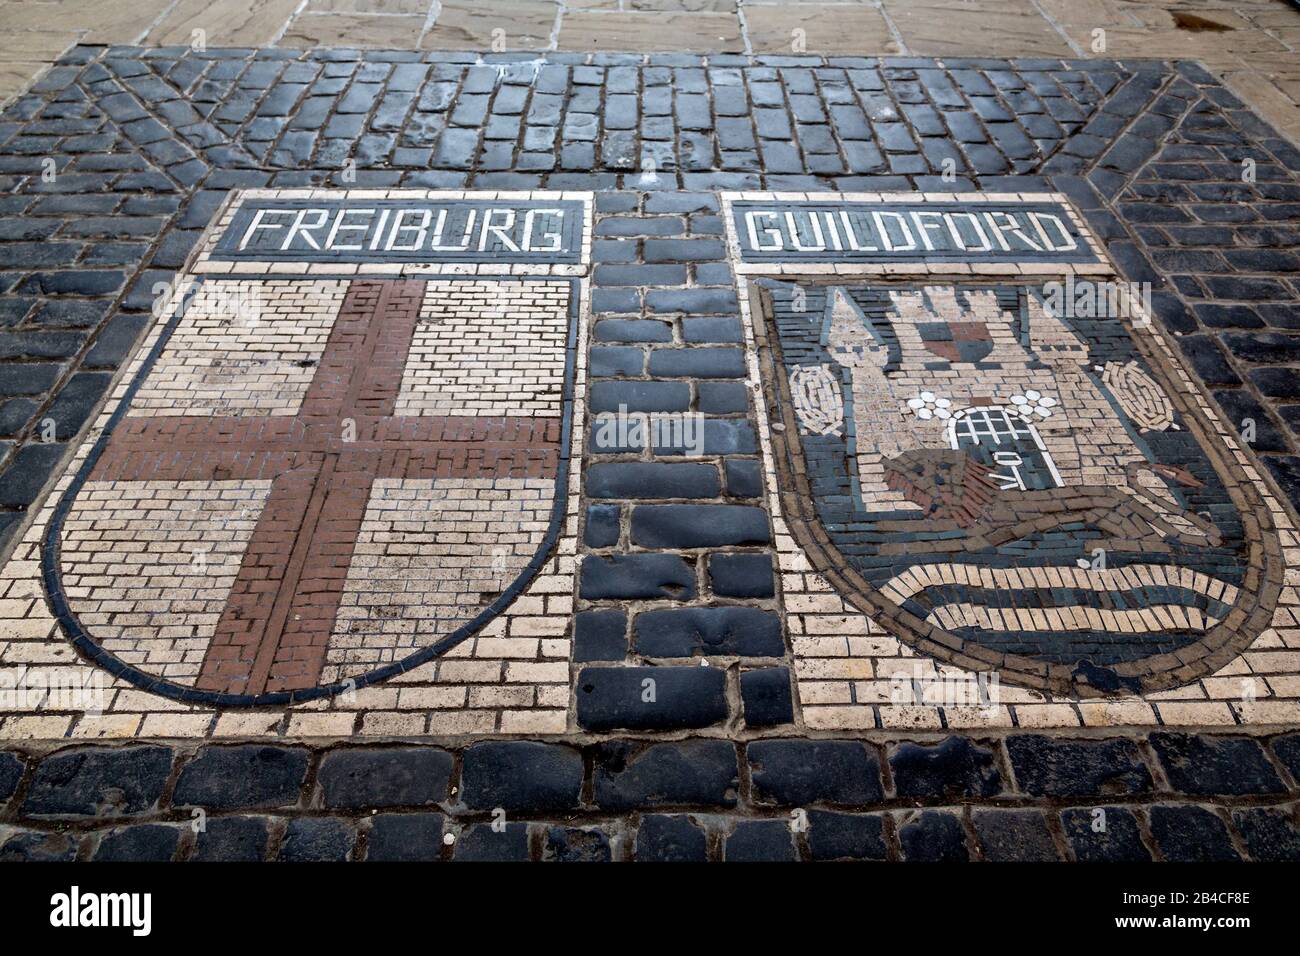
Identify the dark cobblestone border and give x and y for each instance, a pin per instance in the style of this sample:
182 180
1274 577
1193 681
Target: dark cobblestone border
1165 796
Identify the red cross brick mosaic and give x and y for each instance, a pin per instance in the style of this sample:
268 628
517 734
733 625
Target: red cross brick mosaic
322 463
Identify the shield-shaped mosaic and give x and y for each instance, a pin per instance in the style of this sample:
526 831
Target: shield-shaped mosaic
1007 471
345 448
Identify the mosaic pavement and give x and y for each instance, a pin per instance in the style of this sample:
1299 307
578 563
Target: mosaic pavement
993 479
718 438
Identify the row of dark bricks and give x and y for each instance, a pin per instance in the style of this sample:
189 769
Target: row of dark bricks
1025 797
1167 832
812 120
71 244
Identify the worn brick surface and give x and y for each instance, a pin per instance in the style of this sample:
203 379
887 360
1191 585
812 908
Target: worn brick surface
1044 766
405 838
760 841
11 771
1104 835
670 839
955 768
354 779
843 836
1013 836
1189 834
521 776
694 773
146 842
317 839
232 839
932 836
798 772
1215 764
484 844
99 781
650 698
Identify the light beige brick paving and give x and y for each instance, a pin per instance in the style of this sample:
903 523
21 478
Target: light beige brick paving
148 565
488 348
242 348
422 701
432 554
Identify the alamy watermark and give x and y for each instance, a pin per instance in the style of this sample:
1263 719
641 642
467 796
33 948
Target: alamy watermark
79 689
1091 299
76 909
649 431
980 691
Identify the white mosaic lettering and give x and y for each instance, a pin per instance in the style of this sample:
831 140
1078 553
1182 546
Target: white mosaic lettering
1064 243
751 223
819 241
555 238
464 239
379 230
300 227
257 224
908 243
421 230
959 240
340 225
998 230
490 229
853 241
925 221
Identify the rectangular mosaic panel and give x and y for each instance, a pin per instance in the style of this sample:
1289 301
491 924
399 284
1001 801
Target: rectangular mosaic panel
367 229
927 230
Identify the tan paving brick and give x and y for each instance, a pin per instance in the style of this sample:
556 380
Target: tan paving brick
820 29
976 28
310 31
638 31
332 724
498 25
389 7
223 22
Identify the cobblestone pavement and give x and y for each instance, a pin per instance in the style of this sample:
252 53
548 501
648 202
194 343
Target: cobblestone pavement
629 213
1251 44
1028 797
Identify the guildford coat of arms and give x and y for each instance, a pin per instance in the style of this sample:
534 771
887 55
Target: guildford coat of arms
1005 486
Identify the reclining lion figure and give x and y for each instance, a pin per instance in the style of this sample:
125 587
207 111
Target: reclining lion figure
956 490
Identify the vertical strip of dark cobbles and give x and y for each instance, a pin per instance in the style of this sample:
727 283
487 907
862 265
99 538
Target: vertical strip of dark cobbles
678 570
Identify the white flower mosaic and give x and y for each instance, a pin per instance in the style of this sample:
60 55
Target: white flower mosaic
927 405
1033 405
